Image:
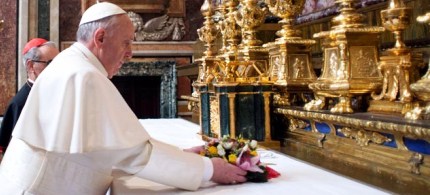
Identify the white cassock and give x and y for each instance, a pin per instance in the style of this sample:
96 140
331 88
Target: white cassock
75 127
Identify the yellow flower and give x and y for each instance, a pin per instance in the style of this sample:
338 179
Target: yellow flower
212 150
232 158
253 153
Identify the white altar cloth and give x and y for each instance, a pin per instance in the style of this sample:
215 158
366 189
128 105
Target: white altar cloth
297 177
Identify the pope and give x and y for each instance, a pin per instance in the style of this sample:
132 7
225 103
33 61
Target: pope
76 128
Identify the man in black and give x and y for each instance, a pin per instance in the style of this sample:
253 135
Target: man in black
37 54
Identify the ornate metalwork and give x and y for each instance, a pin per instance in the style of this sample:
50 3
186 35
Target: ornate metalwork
208 32
415 161
287 10
296 124
289 55
249 17
320 140
348 40
221 24
363 137
233 30
397 64
421 88
408 130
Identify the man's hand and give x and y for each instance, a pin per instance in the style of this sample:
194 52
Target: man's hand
226 173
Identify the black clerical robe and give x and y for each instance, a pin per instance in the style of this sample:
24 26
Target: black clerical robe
12 114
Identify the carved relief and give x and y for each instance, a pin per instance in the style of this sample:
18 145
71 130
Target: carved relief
157 29
332 61
277 68
363 137
169 25
298 68
363 62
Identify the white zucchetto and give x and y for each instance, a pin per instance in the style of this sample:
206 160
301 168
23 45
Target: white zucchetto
99 11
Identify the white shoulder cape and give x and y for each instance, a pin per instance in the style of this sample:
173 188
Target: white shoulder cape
74 108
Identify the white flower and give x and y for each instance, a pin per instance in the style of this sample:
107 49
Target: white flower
253 144
221 150
227 145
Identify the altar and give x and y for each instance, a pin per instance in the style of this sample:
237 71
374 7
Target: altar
297 177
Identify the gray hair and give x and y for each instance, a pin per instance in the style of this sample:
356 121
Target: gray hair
35 54
86 30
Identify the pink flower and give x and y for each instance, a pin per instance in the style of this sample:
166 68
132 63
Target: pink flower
248 162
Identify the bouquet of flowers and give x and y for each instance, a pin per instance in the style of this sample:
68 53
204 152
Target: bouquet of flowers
242 153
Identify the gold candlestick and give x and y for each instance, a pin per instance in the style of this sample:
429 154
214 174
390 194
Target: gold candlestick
287 10
221 25
208 32
397 64
249 17
254 57
233 31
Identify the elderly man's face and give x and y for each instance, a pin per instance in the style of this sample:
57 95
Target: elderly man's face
47 53
116 48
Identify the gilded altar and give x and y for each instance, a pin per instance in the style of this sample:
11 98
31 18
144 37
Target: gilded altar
357 109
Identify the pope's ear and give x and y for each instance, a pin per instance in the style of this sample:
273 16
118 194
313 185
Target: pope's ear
99 36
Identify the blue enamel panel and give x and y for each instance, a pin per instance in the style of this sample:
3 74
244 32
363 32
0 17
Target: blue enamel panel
417 145
392 143
322 127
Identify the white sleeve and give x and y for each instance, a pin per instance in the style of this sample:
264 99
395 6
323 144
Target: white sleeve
209 169
171 166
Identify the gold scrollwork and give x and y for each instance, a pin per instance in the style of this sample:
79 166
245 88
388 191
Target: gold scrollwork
363 137
281 99
297 124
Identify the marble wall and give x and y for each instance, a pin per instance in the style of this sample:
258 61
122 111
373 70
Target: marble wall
8 52
70 15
